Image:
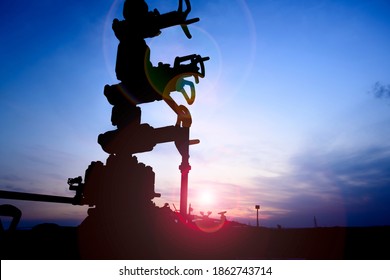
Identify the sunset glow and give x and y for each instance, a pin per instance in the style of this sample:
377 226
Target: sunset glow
206 198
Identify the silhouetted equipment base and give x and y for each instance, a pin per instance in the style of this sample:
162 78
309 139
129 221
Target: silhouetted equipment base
177 241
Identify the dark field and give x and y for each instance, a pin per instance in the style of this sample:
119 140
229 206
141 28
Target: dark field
50 241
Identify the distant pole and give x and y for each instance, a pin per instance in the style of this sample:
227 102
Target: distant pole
257 207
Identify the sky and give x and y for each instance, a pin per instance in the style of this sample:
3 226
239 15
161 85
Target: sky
292 115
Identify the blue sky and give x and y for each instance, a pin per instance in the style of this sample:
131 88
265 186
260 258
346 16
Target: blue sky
293 113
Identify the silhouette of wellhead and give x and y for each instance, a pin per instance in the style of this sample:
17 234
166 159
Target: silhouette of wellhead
123 221
121 191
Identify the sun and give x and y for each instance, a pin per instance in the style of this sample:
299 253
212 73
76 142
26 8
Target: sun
206 198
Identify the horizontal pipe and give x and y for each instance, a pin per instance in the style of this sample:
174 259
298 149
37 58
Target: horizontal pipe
36 197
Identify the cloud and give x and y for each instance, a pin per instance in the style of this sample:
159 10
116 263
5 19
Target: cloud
381 91
11 182
338 187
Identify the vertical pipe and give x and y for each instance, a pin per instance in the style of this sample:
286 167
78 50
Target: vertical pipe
185 169
184 189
